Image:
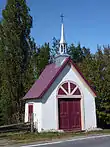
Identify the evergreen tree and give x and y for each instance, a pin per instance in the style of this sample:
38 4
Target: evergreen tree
42 58
103 86
75 53
15 46
96 69
55 46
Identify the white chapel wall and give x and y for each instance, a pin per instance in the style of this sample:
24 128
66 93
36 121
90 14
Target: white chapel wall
37 112
50 105
90 111
26 112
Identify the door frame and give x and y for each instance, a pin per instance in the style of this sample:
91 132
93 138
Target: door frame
81 105
30 104
59 112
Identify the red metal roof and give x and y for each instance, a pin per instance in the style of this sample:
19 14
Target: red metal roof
47 77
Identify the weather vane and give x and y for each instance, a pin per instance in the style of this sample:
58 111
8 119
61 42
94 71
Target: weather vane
62 17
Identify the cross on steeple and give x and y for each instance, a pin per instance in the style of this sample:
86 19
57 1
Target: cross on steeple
62 16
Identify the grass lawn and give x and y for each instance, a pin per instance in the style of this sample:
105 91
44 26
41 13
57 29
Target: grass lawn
23 137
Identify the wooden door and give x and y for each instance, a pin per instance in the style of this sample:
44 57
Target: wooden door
63 114
75 114
30 111
69 114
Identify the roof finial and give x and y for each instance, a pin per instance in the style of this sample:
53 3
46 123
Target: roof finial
62 17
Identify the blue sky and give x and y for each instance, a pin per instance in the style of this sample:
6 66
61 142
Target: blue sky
86 21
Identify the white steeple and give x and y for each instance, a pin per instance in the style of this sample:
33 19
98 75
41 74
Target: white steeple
62 55
62 40
63 45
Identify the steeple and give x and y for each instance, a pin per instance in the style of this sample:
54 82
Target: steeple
63 45
62 52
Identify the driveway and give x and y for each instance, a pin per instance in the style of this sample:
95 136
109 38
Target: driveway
92 141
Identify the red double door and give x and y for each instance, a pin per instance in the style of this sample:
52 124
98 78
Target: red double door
69 114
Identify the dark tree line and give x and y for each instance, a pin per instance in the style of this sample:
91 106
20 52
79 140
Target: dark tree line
21 63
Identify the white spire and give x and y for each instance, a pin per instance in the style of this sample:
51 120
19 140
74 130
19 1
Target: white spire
62 40
63 45
62 52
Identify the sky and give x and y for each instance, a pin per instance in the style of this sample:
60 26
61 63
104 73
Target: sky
85 21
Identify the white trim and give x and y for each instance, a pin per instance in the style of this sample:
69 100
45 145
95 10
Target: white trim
82 80
74 90
82 113
68 81
57 113
30 103
64 90
81 96
69 90
69 96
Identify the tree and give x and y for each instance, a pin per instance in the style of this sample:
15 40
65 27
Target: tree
42 58
15 56
55 45
75 53
96 69
103 86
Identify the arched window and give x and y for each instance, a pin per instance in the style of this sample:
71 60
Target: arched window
69 88
61 48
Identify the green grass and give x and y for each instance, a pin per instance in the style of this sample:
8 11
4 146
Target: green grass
23 137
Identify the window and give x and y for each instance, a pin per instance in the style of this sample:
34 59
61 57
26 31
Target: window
61 48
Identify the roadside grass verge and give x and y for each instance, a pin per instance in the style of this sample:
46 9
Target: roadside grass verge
24 137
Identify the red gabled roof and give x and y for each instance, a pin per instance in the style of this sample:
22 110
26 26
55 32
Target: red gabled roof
46 79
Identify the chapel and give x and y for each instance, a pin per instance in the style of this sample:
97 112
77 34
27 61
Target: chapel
61 98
